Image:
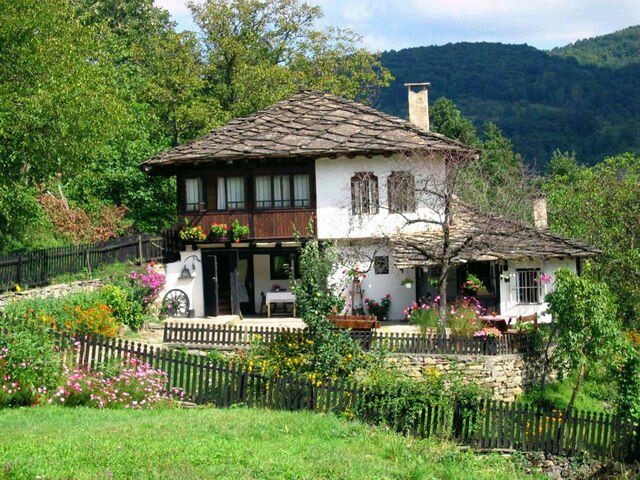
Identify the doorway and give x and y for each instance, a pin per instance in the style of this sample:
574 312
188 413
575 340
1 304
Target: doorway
216 283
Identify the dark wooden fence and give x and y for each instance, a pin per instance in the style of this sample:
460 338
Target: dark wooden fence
225 336
38 267
485 425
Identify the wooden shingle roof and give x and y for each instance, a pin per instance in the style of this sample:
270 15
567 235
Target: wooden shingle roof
481 237
308 124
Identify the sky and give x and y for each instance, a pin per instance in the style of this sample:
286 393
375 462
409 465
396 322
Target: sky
387 24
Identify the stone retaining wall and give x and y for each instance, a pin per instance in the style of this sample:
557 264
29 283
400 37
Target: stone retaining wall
54 291
506 376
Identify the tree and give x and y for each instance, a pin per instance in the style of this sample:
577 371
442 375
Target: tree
600 205
447 226
260 52
447 119
585 328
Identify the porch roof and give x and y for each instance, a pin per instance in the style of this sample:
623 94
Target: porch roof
479 237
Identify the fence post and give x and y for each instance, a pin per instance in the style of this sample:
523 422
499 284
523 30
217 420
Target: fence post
140 253
19 270
88 256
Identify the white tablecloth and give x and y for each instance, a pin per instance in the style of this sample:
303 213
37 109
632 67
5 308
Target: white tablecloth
280 297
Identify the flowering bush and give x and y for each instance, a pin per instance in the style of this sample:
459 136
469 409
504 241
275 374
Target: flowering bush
219 230
461 318
123 306
488 332
545 278
151 284
356 274
29 365
95 320
380 310
131 384
425 315
238 230
192 234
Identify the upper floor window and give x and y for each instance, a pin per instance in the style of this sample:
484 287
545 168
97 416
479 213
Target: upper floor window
231 193
283 191
401 188
528 285
364 193
193 194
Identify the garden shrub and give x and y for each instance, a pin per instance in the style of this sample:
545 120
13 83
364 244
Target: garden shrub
128 384
462 315
424 316
30 363
379 309
124 308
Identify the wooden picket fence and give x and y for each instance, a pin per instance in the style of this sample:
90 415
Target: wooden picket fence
486 424
36 268
225 336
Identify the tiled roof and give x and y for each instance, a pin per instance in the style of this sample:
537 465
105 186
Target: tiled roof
481 237
308 124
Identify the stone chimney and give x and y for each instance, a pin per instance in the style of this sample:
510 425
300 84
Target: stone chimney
419 104
540 212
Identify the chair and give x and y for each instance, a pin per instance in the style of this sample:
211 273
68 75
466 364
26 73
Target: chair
529 319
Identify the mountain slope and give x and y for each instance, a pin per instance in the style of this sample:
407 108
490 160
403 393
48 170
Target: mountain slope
542 102
615 50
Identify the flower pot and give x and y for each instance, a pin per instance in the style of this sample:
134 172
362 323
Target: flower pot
408 285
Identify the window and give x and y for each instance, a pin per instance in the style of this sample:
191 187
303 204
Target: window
231 193
528 286
280 265
276 191
194 199
301 191
381 265
401 187
364 193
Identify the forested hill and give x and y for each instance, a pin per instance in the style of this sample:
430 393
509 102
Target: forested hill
541 101
616 49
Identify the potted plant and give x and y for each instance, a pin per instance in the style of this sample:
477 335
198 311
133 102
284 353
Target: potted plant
379 309
473 286
407 282
193 233
219 230
239 231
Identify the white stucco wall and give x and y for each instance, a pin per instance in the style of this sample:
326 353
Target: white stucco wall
375 286
508 299
333 195
191 286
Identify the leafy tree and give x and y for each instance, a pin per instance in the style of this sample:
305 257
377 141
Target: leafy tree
260 52
600 205
447 119
585 328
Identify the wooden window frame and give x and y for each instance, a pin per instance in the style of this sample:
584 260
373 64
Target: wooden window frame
399 183
293 258
203 194
291 204
245 208
365 178
531 293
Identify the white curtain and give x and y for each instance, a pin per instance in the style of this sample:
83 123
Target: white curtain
282 191
193 194
235 193
301 191
222 194
263 192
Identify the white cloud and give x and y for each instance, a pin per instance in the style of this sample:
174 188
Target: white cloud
175 7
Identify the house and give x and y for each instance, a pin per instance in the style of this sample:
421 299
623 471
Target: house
350 170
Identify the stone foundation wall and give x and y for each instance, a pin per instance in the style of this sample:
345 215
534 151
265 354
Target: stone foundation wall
54 291
506 376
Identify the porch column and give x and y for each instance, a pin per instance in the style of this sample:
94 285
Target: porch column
233 281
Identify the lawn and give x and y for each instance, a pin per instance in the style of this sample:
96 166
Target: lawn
54 442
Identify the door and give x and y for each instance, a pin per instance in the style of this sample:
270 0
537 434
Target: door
216 283
245 284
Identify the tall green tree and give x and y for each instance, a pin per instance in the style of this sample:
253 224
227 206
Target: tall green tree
600 205
259 52
448 120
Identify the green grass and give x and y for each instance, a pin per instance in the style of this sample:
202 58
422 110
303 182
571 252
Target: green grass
54 442
594 395
103 272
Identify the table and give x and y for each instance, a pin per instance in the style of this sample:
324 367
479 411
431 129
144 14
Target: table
280 297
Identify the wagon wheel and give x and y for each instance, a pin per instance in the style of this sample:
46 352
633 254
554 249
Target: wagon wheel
176 303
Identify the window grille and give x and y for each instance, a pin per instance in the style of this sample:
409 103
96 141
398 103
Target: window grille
528 285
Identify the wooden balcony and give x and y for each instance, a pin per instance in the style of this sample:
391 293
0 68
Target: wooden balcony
265 225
